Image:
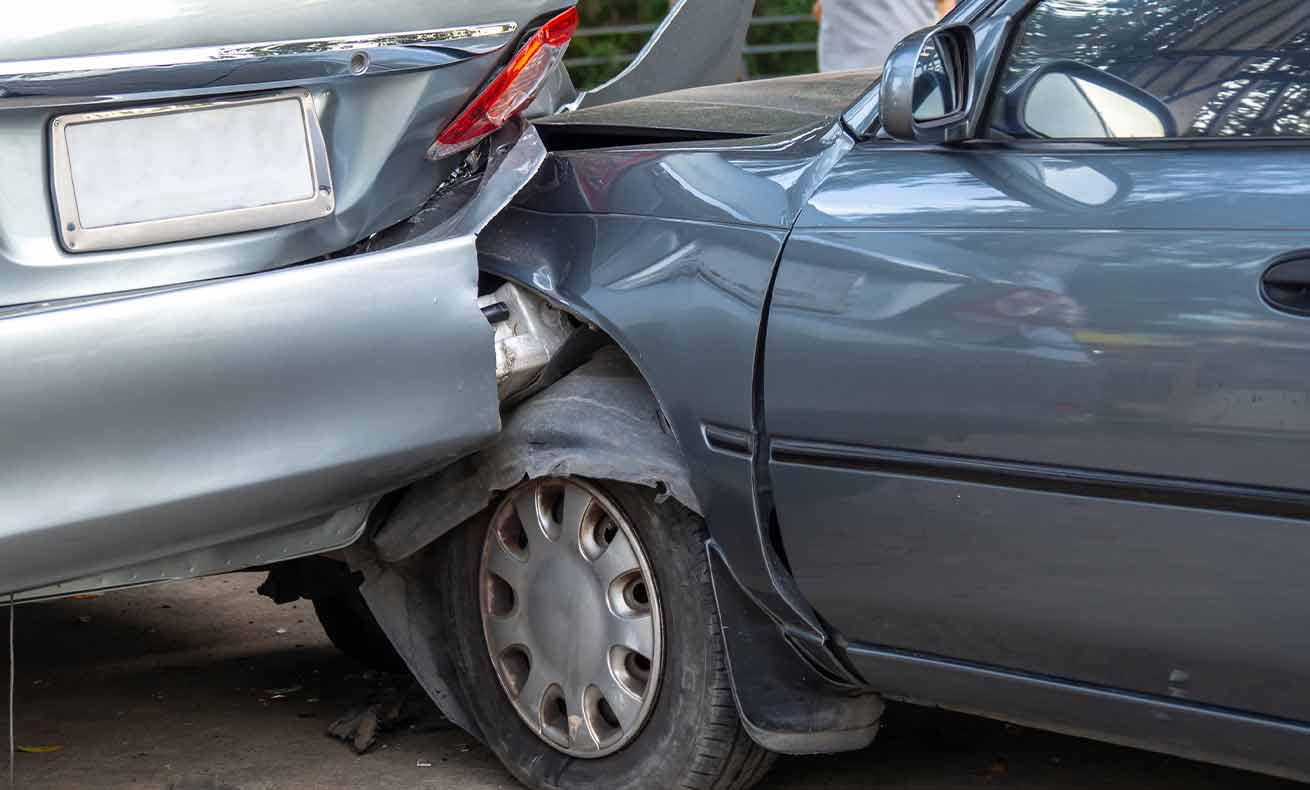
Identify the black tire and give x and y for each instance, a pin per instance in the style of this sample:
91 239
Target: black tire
350 625
693 738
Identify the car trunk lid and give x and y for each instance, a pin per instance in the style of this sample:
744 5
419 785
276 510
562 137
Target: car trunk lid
383 78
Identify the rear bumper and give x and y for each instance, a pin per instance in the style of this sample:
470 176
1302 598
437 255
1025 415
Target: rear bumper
145 426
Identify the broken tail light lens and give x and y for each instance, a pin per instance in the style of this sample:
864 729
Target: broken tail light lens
512 90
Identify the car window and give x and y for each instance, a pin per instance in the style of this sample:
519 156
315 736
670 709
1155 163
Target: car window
1157 68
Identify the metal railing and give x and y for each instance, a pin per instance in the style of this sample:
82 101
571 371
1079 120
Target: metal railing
647 29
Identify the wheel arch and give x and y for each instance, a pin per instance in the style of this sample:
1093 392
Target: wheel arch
602 420
676 326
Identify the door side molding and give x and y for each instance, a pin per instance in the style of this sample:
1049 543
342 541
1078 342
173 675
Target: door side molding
1241 740
1117 486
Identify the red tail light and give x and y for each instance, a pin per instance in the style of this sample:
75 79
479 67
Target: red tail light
512 90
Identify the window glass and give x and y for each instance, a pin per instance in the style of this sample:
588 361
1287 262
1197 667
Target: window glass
1158 68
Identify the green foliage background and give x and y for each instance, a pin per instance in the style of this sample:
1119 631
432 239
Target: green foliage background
628 12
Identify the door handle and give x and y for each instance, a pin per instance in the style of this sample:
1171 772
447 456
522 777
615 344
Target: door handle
1286 286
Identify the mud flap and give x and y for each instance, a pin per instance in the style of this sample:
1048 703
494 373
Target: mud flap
786 704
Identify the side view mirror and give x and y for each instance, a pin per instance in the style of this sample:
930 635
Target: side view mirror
927 90
1072 101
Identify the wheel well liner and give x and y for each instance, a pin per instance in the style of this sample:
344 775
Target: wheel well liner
600 421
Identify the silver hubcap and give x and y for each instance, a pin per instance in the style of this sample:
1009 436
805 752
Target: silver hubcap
571 616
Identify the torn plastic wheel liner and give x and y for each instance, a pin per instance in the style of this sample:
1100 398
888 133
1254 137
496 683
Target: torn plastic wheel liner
599 421
559 432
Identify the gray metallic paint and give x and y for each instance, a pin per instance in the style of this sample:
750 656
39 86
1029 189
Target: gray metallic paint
367 143
1064 307
148 425
998 315
46 31
1153 353
173 406
657 247
377 127
217 414
225 438
682 296
683 299
1129 348
151 75
772 177
311 536
1199 732
1145 623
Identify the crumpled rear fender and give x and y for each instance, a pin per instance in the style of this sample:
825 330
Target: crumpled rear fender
599 421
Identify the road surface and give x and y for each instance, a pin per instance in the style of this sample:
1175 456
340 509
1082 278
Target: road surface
206 685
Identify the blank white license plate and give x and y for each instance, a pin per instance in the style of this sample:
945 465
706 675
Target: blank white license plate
124 178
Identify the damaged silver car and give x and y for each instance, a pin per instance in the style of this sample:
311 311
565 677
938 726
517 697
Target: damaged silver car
228 322
242 311
240 286
978 382
625 430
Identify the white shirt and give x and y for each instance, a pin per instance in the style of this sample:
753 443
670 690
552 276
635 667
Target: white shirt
860 34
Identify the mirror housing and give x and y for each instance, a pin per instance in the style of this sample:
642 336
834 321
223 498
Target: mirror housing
1073 101
928 93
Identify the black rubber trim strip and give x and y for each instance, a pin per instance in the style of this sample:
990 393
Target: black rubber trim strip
586 136
874 652
727 440
1074 481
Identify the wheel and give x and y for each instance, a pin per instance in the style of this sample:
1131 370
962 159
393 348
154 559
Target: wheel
350 626
587 641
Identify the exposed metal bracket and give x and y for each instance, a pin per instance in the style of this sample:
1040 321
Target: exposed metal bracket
530 334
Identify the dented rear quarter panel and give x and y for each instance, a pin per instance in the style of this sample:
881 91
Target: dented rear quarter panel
670 250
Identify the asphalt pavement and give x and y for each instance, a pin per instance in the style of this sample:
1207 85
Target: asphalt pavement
205 685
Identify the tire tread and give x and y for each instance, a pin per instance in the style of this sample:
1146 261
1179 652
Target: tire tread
726 757
714 751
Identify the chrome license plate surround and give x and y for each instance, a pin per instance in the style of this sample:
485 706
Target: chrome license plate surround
76 237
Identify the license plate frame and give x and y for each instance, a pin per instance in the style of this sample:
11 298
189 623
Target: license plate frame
319 200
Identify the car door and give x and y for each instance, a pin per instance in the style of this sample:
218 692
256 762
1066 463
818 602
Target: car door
1039 404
